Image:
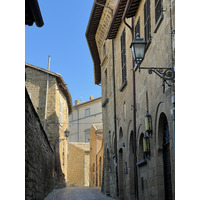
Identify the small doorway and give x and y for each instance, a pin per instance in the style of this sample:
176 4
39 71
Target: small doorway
164 137
121 175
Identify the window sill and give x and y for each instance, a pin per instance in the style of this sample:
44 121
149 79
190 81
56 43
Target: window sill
158 23
124 84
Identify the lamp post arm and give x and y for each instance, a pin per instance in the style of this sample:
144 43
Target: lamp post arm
167 74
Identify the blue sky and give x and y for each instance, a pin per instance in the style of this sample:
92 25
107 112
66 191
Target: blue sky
63 38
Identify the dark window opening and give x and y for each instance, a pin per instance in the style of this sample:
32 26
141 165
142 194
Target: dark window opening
123 56
147 22
158 10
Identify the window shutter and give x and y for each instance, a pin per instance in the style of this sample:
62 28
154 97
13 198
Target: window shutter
158 9
147 21
123 55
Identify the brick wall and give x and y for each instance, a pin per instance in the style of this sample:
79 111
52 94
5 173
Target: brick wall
39 156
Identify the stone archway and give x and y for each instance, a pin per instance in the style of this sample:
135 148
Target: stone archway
108 169
163 158
131 166
121 175
100 172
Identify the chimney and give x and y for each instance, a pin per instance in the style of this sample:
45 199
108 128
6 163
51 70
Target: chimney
77 102
91 97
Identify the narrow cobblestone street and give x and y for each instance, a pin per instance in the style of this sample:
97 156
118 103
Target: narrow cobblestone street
77 193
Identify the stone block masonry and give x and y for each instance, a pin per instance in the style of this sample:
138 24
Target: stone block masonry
39 156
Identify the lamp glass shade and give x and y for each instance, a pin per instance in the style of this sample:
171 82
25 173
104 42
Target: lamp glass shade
138 49
148 123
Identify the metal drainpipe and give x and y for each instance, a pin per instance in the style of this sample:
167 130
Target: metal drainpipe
134 114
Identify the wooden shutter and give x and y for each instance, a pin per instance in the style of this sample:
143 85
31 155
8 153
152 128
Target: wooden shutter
158 9
123 55
147 21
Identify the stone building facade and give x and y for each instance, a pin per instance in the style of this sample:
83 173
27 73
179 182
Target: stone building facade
96 155
78 164
39 156
84 114
132 171
52 102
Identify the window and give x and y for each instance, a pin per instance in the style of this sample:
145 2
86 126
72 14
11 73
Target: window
124 109
137 27
158 13
104 49
70 117
158 9
61 108
87 136
123 56
147 22
106 83
87 112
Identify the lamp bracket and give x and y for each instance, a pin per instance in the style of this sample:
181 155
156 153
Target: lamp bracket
167 74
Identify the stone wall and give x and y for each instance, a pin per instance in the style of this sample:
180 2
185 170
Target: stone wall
151 91
78 164
39 156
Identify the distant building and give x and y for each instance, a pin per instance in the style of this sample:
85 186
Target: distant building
83 116
78 164
96 155
52 102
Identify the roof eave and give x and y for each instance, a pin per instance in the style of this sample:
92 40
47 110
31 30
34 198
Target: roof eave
60 80
33 13
92 27
129 7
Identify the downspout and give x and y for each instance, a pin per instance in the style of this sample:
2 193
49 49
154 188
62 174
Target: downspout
134 110
46 99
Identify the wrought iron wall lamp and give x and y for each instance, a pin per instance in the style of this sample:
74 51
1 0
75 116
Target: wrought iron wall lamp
138 49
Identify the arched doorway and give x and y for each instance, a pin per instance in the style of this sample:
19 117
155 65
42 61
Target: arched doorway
164 144
100 172
131 166
121 175
108 169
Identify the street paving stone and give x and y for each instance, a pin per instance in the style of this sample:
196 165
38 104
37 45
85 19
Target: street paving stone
77 193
